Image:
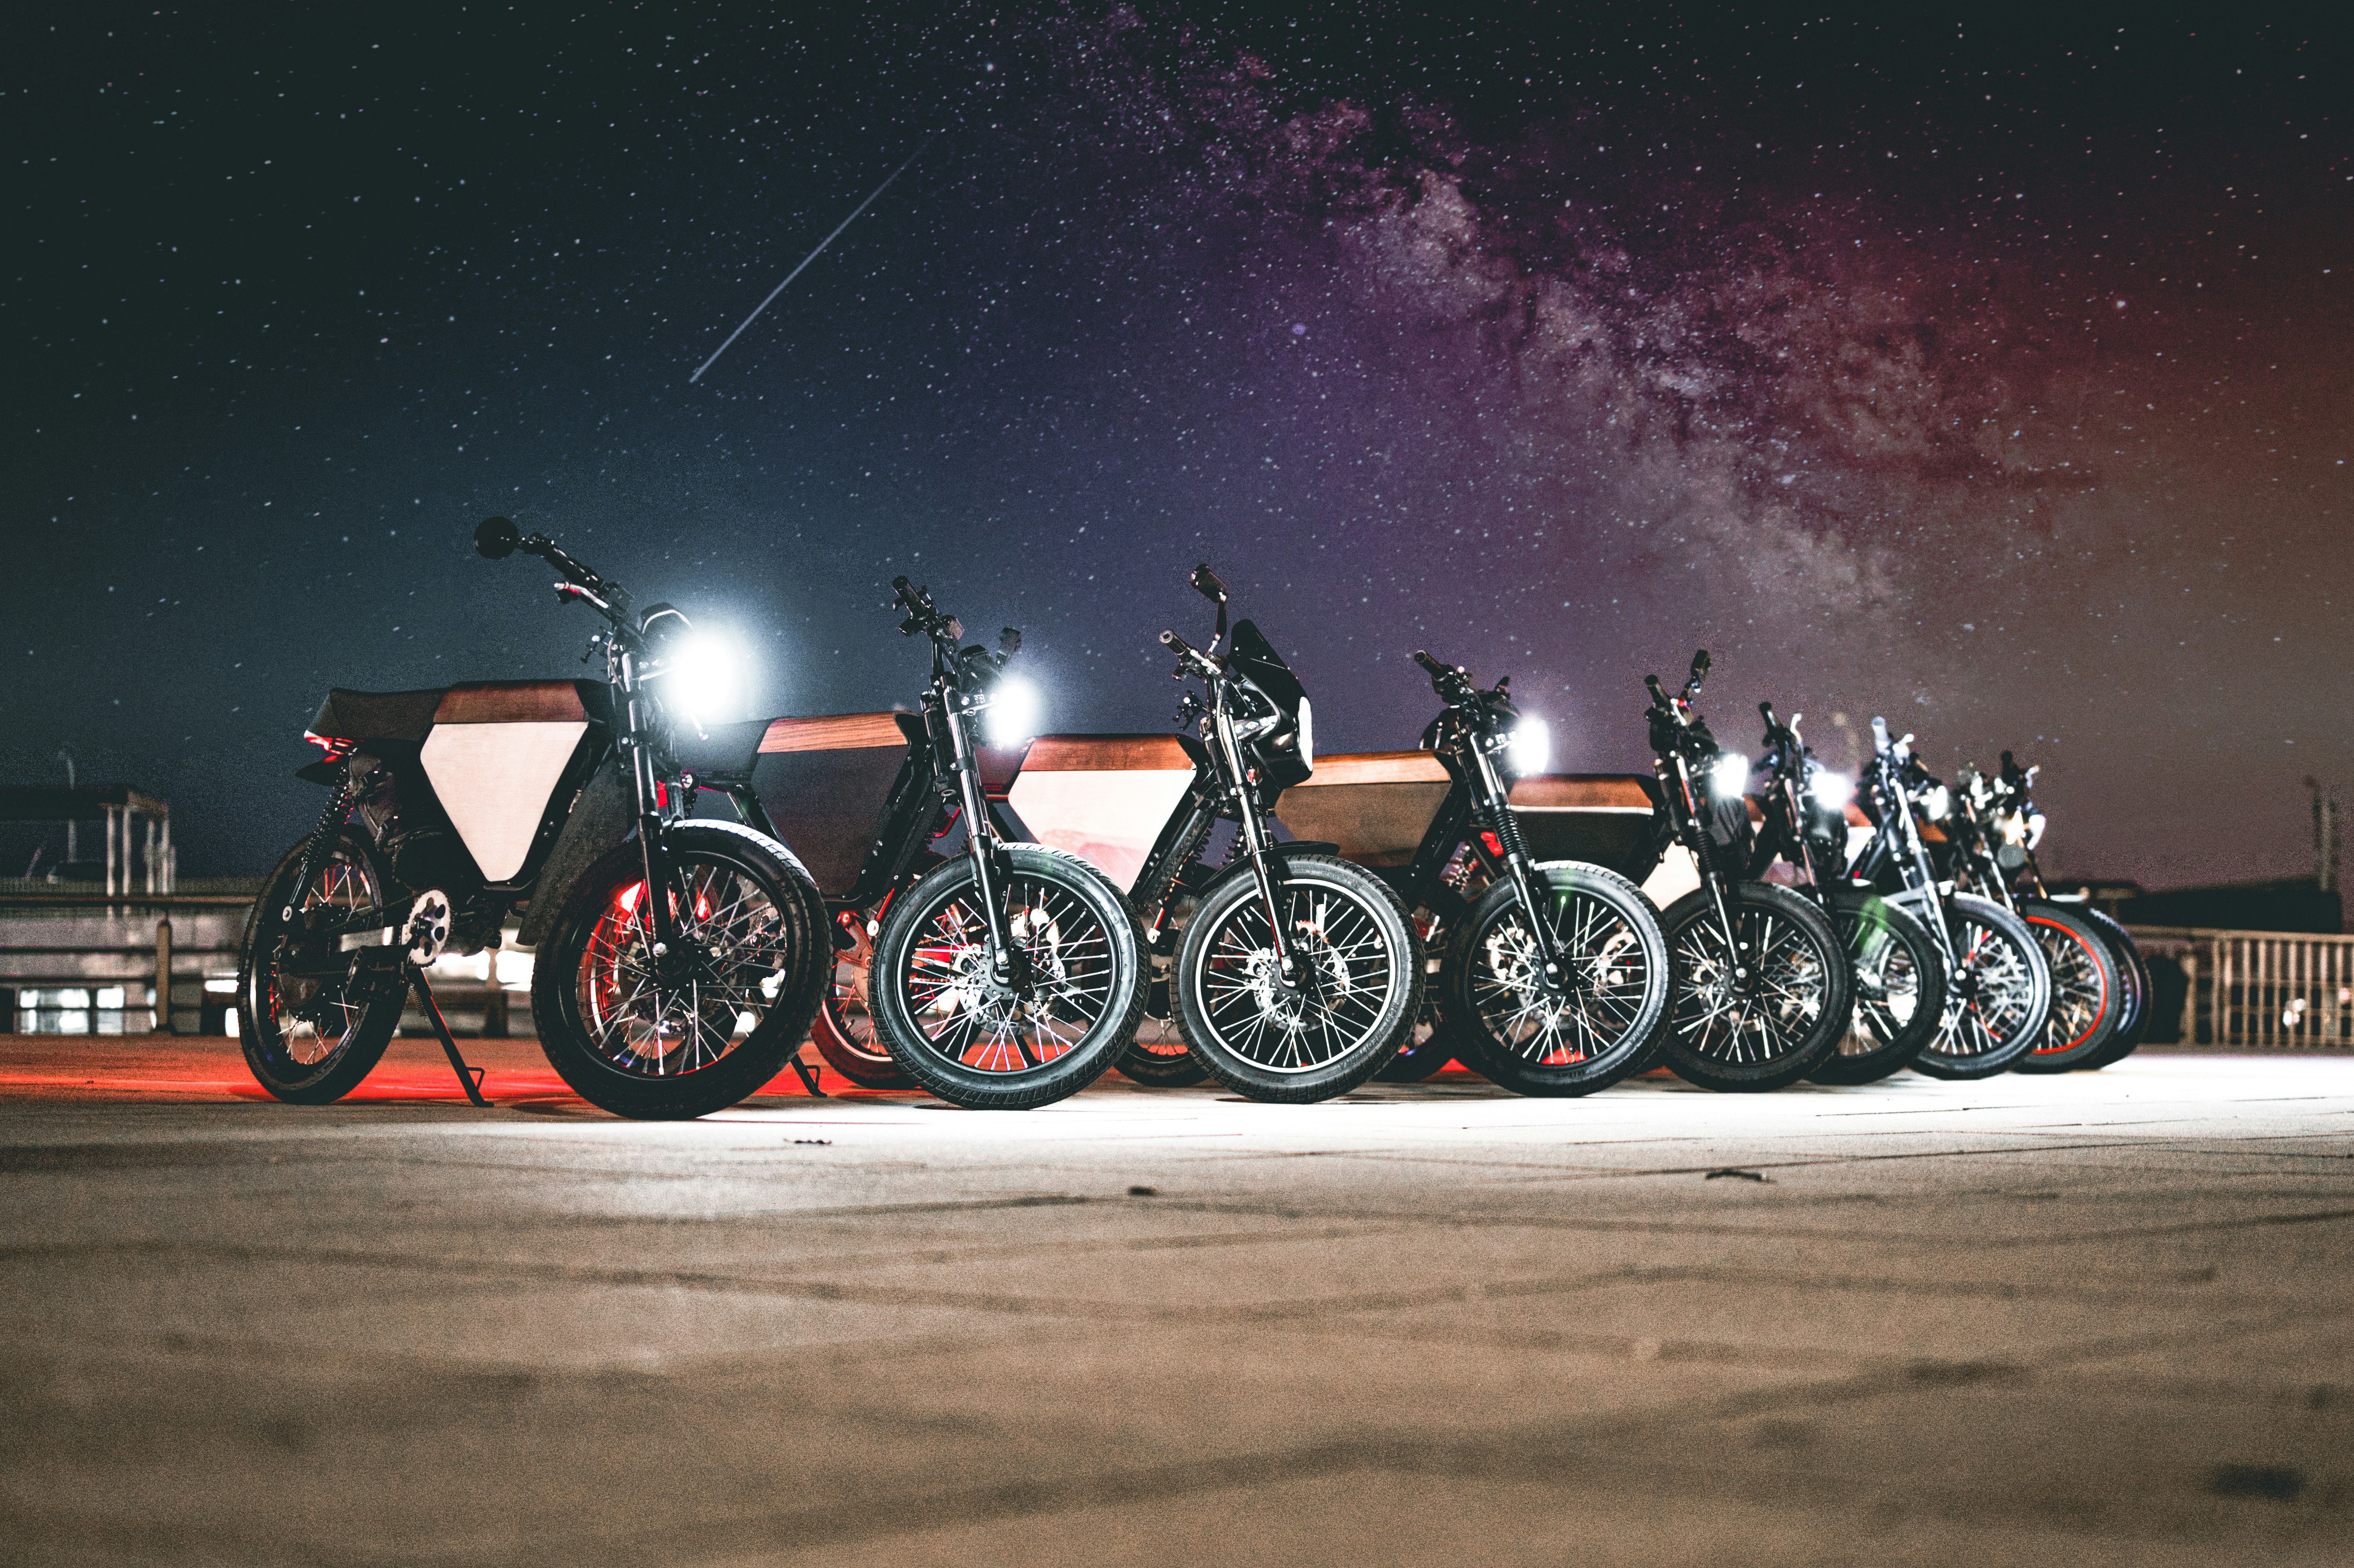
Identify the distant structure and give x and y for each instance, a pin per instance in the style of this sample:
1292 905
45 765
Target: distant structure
138 858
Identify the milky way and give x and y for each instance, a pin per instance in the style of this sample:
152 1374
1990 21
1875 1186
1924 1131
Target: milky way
1995 383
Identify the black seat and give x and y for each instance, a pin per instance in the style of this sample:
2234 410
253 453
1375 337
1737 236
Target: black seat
361 716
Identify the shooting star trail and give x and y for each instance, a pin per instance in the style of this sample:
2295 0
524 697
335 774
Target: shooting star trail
813 256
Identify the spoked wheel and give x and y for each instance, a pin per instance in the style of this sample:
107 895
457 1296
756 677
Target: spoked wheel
2132 974
1431 1045
843 1029
1157 1057
695 1030
1042 1026
2088 1003
1586 1030
1772 1025
1997 998
310 1039
1900 989
1328 1027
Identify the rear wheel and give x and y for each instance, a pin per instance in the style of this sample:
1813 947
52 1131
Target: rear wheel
1334 1026
959 1026
1772 1026
1157 1057
2133 972
683 1034
843 1029
1900 989
310 1039
1432 1045
2088 1003
1997 998
1569 1039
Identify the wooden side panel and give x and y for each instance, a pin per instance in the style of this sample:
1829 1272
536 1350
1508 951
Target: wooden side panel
1604 818
1106 753
1375 805
512 702
834 732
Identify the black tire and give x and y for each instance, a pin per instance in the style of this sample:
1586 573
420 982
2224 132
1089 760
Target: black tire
843 1029
1352 928
1491 994
1899 976
2141 998
671 1049
1806 995
1425 1052
993 1050
1997 999
283 1022
2088 992
1157 1057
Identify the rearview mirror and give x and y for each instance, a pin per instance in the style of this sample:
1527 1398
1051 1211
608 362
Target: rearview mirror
496 538
1700 666
1205 583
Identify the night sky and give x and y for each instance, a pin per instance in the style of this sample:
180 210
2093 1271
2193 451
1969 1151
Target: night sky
1996 380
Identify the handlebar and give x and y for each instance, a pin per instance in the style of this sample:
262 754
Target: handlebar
1189 656
1660 697
496 538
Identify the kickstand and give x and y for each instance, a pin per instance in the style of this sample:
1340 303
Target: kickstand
808 1076
469 1078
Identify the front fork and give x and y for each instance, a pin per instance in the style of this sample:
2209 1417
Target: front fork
980 845
1255 844
1535 902
653 847
1696 841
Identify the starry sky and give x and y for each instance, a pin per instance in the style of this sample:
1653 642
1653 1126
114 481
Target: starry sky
1994 380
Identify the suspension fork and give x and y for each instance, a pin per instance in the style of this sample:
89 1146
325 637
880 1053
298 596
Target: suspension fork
1696 840
1254 842
653 849
1507 829
980 836
1923 874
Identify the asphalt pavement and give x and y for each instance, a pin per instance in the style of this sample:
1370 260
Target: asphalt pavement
2090 1319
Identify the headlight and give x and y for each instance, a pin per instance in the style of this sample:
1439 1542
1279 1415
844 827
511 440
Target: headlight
1307 736
1728 776
1936 802
701 677
1531 750
1014 706
1831 790
2035 830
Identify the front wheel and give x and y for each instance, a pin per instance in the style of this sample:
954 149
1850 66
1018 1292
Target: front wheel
1570 1034
1347 1004
311 1038
1998 997
1762 1014
1043 1025
1900 989
2088 991
682 1033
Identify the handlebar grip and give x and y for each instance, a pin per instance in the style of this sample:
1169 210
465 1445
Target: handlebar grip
1659 696
1422 657
1879 733
1766 712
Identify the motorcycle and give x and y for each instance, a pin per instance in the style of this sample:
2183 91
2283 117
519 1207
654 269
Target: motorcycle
1898 972
1292 975
1763 993
678 961
2098 991
1009 975
1553 975
1998 982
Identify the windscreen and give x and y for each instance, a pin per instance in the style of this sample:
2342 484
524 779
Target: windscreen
1256 659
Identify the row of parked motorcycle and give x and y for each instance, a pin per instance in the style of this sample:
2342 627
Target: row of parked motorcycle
1022 921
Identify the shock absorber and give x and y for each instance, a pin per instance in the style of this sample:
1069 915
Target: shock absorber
331 823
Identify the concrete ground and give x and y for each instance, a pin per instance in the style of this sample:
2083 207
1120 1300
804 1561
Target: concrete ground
2093 1320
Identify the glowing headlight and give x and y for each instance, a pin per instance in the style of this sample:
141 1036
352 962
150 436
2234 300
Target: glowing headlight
1936 803
1728 776
1307 736
1532 747
1831 790
702 678
1014 706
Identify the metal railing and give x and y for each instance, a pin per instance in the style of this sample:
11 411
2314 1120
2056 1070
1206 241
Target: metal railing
2259 990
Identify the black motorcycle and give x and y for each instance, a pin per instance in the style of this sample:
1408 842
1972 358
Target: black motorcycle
1554 975
679 961
1291 974
1897 967
2098 991
1998 982
1763 993
1008 976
